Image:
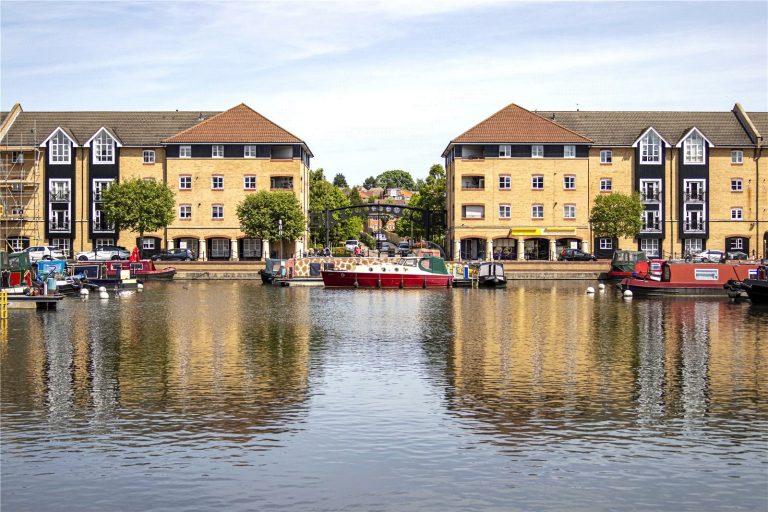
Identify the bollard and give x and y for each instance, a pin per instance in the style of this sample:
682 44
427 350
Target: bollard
4 304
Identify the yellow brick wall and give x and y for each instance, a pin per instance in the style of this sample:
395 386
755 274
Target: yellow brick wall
620 171
132 166
29 197
722 199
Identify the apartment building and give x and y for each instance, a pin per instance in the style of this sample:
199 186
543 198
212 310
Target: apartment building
56 164
521 184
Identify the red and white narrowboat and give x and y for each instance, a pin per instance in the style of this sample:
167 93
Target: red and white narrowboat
689 279
409 272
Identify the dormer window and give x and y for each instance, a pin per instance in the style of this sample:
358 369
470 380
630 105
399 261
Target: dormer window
650 148
693 149
60 149
103 149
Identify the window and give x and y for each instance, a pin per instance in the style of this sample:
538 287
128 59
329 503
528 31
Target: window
737 214
217 151
606 244
249 182
650 191
737 244
650 246
101 242
650 149
606 156
693 149
606 185
693 245
569 151
537 211
148 243
60 149
217 211
219 248
651 221
59 191
251 247
473 211
16 243
99 186
472 183
250 152
17 157
694 190
505 151
569 182
103 149
17 211
505 182
64 244
281 182
185 182
505 211
217 182
736 185
185 211
537 182
185 151
737 157
537 151
569 211
149 156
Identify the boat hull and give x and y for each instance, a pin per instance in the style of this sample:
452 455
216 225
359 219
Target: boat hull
757 290
351 279
688 279
492 282
166 274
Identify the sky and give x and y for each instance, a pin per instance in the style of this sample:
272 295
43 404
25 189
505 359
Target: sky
378 85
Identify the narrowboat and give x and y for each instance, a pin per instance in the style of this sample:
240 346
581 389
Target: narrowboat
491 275
688 279
56 270
95 274
408 272
270 271
755 286
143 270
16 270
624 263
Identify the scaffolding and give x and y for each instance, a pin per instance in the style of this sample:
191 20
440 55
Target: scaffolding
20 216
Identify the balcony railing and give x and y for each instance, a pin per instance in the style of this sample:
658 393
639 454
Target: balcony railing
693 226
650 197
59 196
649 227
694 197
100 225
58 226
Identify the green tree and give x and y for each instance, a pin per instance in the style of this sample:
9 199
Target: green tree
354 196
138 205
340 181
369 183
259 214
617 215
395 179
431 196
322 195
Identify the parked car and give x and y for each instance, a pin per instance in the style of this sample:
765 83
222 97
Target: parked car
350 245
710 255
44 252
737 255
387 247
404 248
575 255
104 253
175 255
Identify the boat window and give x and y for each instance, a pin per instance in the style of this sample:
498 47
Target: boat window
135 266
425 264
410 262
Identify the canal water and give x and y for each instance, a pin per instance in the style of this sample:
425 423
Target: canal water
237 396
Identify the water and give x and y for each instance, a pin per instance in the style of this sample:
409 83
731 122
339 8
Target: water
232 395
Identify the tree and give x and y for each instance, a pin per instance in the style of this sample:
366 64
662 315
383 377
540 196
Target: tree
322 195
617 215
395 179
340 181
369 183
259 214
138 205
431 197
354 196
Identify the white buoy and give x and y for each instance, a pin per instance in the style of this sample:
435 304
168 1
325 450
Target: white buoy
590 290
601 287
140 286
628 293
84 292
103 295
102 288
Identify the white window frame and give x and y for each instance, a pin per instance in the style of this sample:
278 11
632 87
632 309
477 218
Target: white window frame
650 246
101 242
185 179
650 149
505 182
569 182
16 243
214 178
737 157
737 243
646 189
148 243
737 185
185 151
185 211
505 211
103 148
606 185
606 156
60 183
535 179
505 150
694 149
693 245
100 186
249 151
537 151
569 211
246 185
537 211
17 211
220 248
17 157
737 213
217 211
149 156
606 244
217 151
477 209
60 149
569 151
64 244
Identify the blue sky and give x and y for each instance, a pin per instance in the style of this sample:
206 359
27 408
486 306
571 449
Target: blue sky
372 86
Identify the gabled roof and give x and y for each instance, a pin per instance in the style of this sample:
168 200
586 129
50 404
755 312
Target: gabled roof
66 132
240 124
514 124
688 133
613 128
650 129
117 140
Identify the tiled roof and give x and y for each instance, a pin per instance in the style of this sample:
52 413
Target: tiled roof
237 125
624 128
132 128
760 120
514 124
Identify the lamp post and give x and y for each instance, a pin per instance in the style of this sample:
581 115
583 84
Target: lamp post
280 234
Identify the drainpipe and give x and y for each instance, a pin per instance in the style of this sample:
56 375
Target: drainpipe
82 196
672 235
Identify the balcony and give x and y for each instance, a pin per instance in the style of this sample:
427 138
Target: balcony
61 225
281 183
59 196
473 183
651 227
103 226
693 227
694 197
650 196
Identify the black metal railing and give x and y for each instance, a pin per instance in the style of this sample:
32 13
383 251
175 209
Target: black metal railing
693 197
58 226
693 226
60 196
650 197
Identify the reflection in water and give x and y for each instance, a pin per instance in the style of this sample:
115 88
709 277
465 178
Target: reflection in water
309 399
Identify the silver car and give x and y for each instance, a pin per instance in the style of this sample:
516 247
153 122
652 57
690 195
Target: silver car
104 253
44 252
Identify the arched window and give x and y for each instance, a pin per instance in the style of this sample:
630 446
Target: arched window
103 149
650 148
60 149
694 149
